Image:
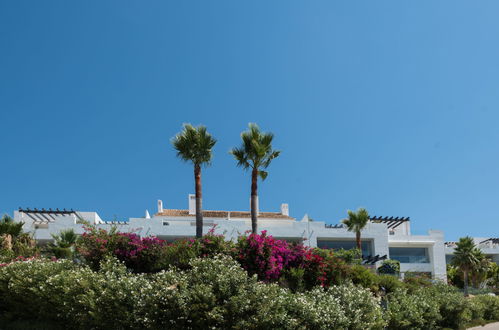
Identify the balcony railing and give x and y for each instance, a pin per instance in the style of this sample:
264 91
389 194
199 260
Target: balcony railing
411 259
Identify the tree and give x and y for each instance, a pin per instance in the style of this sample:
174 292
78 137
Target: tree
195 144
9 227
467 257
355 222
255 153
63 245
480 271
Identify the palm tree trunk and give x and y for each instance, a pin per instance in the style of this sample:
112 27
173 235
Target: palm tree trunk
254 197
465 283
199 201
359 242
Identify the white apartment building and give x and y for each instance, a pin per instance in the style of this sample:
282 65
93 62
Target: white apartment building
488 245
383 237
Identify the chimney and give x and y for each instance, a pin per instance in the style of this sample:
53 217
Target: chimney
192 204
285 209
257 206
160 206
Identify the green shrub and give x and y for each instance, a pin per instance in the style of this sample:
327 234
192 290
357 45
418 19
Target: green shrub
415 282
9 227
454 309
364 277
351 256
490 306
361 308
411 311
455 276
477 309
390 283
23 285
334 270
440 306
389 266
293 279
179 254
211 293
61 252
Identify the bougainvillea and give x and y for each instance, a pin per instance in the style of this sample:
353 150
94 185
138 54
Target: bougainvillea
293 265
139 254
270 259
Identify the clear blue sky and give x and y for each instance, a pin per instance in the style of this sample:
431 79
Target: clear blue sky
390 105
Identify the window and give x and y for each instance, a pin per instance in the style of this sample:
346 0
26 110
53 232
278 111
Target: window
410 255
345 245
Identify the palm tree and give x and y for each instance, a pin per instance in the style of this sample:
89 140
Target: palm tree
466 257
65 238
9 227
64 242
195 144
255 153
355 222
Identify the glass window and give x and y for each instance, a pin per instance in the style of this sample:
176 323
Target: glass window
410 255
345 245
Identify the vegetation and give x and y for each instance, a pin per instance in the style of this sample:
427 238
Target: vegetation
64 244
255 153
9 227
355 222
467 257
389 266
13 242
124 281
195 144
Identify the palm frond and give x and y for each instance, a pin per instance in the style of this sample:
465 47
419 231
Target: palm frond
256 149
356 221
194 144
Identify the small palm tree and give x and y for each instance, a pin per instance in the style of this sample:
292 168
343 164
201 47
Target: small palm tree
64 242
467 257
9 227
65 238
255 153
195 144
355 222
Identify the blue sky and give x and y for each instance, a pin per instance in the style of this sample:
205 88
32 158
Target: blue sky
390 105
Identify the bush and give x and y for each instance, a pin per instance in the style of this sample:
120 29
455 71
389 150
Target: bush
272 260
439 306
414 282
142 255
95 244
411 311
148 254
364 277
389 266
455 310
335 270
389 283
23 284
351 256
490 306
361 308
213 293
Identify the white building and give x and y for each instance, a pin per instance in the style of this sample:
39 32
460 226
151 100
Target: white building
488 246
383 237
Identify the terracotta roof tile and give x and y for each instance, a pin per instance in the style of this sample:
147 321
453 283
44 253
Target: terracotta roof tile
223 214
